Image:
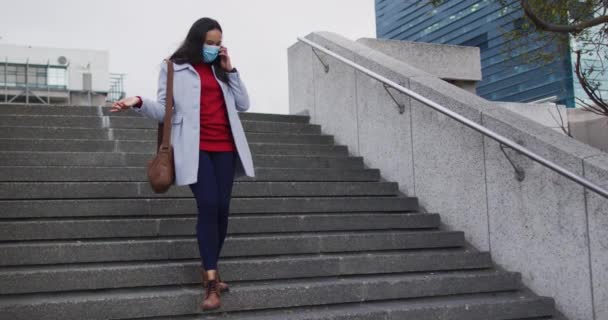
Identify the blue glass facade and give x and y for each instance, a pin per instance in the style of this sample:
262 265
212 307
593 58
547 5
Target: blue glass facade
480 23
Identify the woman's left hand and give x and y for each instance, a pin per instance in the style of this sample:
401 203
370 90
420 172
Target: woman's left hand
225 58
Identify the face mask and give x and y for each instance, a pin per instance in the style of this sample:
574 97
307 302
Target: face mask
210 52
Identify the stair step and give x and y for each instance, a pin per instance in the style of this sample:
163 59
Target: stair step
512 305
81 145
138 173
252 137
280 126
55 229
75 158
270 161
182 300
122 121
70 189
24 132
59 110
304 189
26 135
11 209
144 146
68 120
286 149
83 132
185 247
275 117
243 189
20 280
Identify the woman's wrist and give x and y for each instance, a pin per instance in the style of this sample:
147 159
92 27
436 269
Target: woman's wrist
139 102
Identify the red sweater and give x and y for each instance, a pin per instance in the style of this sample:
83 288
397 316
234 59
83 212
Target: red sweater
215 127
215 133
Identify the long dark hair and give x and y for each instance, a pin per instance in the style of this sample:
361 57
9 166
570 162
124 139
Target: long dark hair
190 51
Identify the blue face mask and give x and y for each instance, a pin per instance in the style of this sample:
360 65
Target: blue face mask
210 52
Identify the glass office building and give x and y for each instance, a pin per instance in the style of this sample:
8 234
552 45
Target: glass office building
482 23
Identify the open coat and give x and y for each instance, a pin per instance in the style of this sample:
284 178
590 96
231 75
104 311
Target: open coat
185 132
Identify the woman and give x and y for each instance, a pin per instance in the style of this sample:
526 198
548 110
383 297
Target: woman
207 94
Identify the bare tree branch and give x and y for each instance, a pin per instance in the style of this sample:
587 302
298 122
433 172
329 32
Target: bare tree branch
564 126
600 107
548 26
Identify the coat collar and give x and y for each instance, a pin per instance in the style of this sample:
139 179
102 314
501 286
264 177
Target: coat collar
187 66
182 66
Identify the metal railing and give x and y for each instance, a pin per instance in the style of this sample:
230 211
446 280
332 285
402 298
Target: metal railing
117 89
471 124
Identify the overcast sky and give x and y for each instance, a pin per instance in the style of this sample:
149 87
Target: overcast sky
139 34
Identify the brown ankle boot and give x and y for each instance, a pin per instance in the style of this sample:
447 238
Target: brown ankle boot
212 296
222 285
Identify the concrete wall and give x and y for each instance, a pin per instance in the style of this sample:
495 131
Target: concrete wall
445 61
548 113
459 65
589 128
546 226
583 126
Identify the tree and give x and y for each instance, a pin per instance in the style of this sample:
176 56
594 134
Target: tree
554 23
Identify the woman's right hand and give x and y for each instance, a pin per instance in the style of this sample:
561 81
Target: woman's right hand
125 103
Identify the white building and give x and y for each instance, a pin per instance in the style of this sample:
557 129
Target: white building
43 75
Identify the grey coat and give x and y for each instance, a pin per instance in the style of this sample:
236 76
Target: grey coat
185 130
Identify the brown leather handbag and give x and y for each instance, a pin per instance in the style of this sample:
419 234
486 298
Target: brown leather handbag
161 168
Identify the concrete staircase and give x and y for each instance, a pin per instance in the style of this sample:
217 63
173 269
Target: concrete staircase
316 234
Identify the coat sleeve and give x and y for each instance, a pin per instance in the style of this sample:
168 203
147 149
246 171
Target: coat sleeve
241 97
155 109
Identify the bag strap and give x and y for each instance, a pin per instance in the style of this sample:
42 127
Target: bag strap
166 131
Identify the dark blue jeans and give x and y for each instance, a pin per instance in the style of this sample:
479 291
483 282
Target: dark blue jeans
213 191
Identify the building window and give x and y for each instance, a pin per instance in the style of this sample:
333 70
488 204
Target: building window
36 77
8 75
20 76
57 77
33 76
